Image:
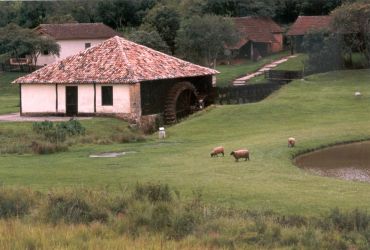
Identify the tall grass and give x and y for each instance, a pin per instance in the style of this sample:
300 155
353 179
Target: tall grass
90 219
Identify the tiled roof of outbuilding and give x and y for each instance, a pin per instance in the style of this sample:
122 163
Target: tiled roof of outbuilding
66 31
256 29
304 24
115 60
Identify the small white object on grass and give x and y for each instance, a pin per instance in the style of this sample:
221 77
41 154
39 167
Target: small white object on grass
162 133
358 93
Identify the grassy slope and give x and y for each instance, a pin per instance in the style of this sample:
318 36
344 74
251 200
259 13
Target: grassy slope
9 101
317 111
230 72
296 63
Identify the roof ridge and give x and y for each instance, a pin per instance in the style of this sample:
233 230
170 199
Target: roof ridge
167 55
124 58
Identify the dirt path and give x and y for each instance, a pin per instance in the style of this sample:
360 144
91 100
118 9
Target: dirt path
243 80
15 117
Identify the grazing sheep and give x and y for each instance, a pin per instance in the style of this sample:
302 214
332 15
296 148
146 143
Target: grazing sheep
291 142
358 93
218 150
241 153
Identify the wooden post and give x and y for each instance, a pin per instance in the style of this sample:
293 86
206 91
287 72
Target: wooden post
94 97
252 54
20 99
56 98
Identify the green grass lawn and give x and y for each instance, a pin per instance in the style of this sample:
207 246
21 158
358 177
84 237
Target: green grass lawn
319 110
9 100
230 72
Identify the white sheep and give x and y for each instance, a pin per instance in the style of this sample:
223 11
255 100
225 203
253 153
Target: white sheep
241 153
291 142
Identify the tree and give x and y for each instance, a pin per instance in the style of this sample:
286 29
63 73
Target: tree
17 42
150 39
166 21
324 51
202 39
13 40
40 44
353 20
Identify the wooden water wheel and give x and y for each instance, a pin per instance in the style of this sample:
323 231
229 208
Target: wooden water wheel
181 101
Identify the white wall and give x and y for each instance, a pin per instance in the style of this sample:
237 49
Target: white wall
121 99
37 98
67 48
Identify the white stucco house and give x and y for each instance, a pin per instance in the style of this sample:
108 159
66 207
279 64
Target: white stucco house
72 38
116 77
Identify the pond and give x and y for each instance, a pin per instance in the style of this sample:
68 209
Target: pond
348 162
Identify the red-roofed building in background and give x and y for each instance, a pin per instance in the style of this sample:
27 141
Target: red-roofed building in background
117 77
73 38
259 36
304 25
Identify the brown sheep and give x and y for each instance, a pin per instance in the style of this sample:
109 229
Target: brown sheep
291 142
241 153
218 150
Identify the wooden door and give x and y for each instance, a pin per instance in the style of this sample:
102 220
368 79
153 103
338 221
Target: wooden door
71 100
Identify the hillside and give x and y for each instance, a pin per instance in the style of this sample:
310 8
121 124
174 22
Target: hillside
319 110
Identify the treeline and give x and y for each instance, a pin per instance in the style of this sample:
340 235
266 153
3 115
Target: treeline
196 30
120 14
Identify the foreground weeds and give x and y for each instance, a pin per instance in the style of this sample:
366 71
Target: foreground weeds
153 215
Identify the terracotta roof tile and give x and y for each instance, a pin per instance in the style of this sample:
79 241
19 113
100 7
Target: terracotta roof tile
68 31
115 60
256 29
304 24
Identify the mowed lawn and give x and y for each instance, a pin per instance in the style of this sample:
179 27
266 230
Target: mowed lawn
319 110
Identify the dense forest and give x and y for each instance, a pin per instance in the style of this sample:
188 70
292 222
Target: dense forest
121 14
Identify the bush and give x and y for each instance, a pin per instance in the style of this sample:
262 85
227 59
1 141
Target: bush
152 192
72 127
161 218
55 135
72 209
183 225
15 203
47 147
355 220
42 127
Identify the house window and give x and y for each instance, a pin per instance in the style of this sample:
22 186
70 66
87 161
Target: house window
87 45
107 95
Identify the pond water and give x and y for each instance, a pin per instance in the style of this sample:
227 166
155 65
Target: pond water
348 162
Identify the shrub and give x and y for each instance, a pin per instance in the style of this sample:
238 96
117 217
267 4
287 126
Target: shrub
152 192
72 127
355 220
118 205
15 203
183 225
55 135
47 147
161 218
42 127
72 209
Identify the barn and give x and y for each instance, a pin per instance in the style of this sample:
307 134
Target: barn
304 25
258 37
117 78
